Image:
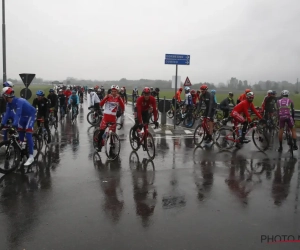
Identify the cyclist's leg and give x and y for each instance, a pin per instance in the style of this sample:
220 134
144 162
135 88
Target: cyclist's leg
240 119
46 125
29 129
102 129
55 115
280 134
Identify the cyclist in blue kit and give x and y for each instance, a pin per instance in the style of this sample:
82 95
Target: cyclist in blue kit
24 118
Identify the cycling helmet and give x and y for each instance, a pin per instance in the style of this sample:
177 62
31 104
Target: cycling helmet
250 96
269 92
73 92
204 87
51 90
180 89
157 89
247 91
193 92
230 94
90 89
187 89
146 90
213 91
99 90
60 90
274 92
40 93
113 87
117 87
151 88
285 93
8 84
122 89
8 92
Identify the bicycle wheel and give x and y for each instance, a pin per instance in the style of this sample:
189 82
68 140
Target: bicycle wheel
9 157
189 121
36 145
112 146
225 138
93 118
260 139
150 146
199 134
134 142
178 118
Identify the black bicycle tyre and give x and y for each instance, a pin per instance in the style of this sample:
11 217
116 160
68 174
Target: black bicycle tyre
224 131
17 157
131 140
114 137
98 119
256 143
146 146
198 143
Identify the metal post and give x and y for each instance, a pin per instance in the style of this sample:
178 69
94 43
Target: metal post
175 95
3 41
163 120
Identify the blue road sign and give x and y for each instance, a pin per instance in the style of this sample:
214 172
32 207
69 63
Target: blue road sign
177 59
179 62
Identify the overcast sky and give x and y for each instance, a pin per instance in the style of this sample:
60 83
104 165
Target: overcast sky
95 39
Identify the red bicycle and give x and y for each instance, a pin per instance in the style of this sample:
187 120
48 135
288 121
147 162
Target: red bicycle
203 129
145 139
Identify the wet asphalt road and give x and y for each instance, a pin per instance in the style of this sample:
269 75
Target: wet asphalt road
195 198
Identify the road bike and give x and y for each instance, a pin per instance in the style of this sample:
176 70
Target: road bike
52 119
287 135
112 141
42 133
12 151
142 138
203 129
227 137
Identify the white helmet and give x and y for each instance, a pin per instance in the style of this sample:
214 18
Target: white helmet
187 88
8 84
117 87
270 92
121 89
90 89
285 93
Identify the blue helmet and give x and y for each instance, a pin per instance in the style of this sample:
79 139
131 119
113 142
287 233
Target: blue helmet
213 91
40 93
73 92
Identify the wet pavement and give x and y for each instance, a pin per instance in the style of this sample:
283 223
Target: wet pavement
186 198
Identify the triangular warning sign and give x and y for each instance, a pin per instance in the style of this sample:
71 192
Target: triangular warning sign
187 82
27 78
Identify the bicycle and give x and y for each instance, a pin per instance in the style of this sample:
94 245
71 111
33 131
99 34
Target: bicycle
94 117
52 119
186 117
112 142
202 130
145 139
227 137
12 149
219 115
42 133
74 114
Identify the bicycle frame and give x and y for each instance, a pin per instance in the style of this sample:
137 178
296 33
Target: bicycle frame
236 131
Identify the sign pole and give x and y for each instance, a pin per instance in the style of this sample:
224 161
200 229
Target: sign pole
175 95
4 41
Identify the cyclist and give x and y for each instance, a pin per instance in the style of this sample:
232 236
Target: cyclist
135 94
67 93
80 94
243 96
2 101
224 105
62 103
177 97
42 104
99 94
155 93
74 101
24 117
210 108
123 95
94 99
269 103
243 107
188 99
111 101
53 103
144 104
195 97
286 114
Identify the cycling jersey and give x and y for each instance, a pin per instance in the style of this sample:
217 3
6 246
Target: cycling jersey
123 96
74 99
195 98
43 106
22 108
62 100
111 104
241 98
210 104
53 100
67 93
177 96
224 105
243 107
269 103
94 98
188 99
142 105
285 107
